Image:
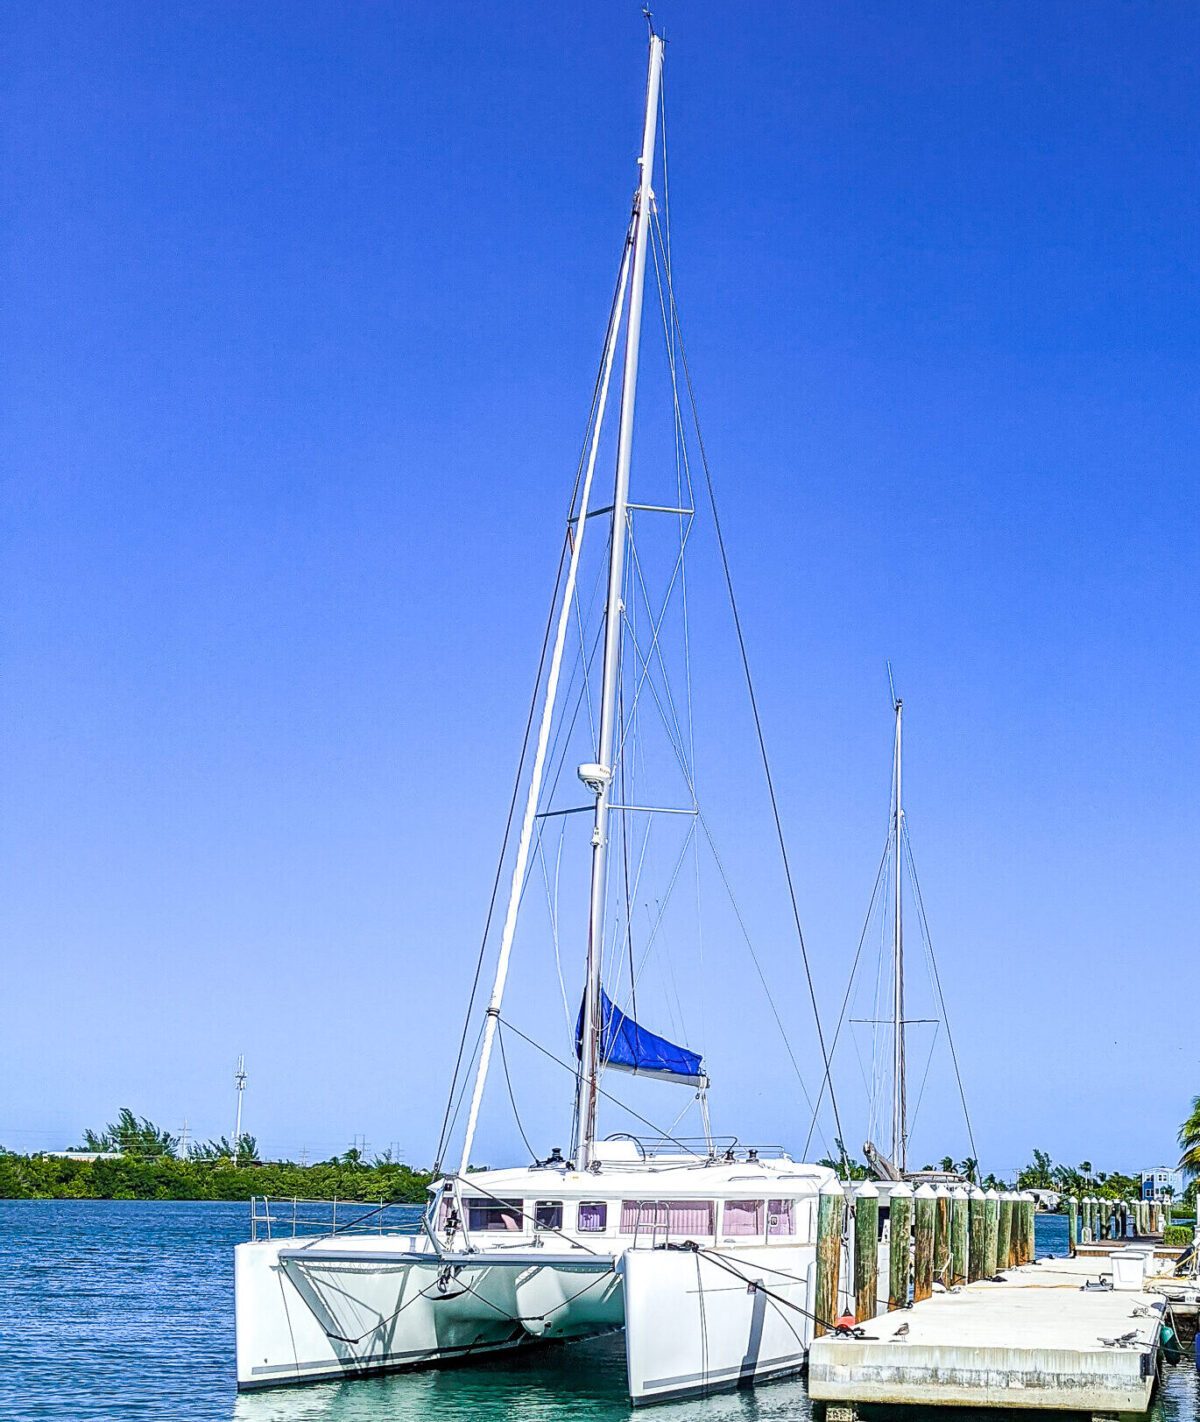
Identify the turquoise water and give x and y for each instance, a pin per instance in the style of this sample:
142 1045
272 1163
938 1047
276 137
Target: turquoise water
124 1310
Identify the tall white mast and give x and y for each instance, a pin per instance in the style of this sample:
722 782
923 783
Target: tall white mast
239 1079
539 759
899 1102
599 777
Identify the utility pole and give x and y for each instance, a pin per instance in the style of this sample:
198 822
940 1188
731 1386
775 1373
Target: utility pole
239 1080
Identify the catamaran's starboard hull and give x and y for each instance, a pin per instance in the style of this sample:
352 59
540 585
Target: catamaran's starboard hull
708 1321
340 1307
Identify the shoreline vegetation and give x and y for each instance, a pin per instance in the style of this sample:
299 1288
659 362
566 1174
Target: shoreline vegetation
49 1177
133 1159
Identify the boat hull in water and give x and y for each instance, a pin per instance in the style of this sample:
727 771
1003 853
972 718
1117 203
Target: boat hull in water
695 1320
336 1307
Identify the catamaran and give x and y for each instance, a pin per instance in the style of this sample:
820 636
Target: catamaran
702 1250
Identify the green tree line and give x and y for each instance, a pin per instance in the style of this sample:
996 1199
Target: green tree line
142 1162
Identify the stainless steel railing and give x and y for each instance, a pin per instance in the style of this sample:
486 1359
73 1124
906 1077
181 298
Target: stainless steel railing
275 1217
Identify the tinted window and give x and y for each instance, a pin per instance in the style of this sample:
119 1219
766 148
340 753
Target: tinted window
593 1217
494 1214
547 1214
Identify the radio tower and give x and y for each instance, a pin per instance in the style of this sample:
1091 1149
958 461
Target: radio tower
239 1078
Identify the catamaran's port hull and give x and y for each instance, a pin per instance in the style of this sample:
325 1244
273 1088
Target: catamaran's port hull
337 1308
695 1322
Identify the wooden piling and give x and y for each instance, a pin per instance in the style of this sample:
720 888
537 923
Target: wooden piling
941 1235
1004 1228
976 1206
924 1231
1029 1230
900 1211
1072 1225
958 1235
831 1209
991 1232
866 1252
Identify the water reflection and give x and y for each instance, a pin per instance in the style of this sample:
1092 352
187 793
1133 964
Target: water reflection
576 1380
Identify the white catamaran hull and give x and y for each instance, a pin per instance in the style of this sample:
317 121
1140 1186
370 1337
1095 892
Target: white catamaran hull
694 1321
343 1307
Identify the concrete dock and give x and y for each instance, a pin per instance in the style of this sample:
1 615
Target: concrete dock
1034 1341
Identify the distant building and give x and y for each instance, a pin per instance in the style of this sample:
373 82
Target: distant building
84 1154
1157 1184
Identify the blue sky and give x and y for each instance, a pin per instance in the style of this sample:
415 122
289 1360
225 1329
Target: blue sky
302 314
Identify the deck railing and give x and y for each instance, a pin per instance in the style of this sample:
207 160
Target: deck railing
274 1217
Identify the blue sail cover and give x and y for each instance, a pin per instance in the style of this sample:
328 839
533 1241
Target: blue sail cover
628 1047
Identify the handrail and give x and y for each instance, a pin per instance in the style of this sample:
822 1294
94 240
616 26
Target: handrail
275 1217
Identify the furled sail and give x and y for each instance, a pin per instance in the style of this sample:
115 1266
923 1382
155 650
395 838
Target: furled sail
628 1047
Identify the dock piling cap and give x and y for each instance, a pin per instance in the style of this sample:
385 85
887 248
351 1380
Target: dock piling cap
958 1193
832 1187
925 1192
976 1193
992 1194
866 1191
902 1189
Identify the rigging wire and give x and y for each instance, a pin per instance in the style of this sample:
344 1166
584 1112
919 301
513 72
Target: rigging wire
566 1066
462 1095
862 938
924 1078
962 1095
762 745
508 824
512 1099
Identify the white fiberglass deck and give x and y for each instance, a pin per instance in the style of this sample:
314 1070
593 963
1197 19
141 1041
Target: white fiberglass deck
1034 1341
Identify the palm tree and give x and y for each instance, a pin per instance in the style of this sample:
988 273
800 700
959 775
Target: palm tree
1189 1139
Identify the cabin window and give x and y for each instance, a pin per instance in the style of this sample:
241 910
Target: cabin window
445 1210
593 1217
781 1218
547 1214
639 1215
494 1214
690 1216
677 1217
743 1217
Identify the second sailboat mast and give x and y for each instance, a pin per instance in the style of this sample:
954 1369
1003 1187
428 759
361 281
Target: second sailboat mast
590 1063
899 1070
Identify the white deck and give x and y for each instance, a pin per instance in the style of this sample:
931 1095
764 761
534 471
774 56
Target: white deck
1034 1341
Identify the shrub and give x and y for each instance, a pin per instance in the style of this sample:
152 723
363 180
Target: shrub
1176 1236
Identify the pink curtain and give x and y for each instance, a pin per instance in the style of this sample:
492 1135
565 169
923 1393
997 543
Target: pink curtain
690 1217
780 1218
743 1217
677 1217
639 1215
